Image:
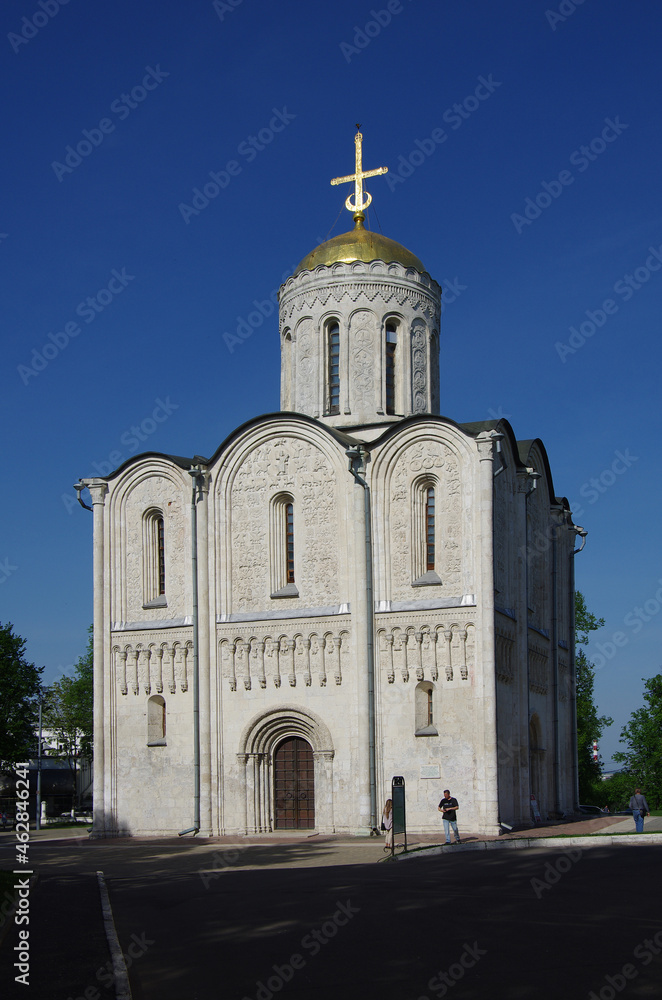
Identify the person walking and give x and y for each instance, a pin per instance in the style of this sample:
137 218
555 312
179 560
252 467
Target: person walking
387 824
639 808
448 808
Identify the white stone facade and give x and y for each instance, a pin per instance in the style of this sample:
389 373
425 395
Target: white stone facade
471 690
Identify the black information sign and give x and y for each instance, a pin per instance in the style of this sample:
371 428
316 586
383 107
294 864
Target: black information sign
399 818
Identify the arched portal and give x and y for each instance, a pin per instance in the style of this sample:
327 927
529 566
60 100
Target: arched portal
297 744
294 785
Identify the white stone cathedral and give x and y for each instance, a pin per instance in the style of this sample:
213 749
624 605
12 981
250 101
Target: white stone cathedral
350 589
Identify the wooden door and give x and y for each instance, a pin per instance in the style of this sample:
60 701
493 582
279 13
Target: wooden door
294 785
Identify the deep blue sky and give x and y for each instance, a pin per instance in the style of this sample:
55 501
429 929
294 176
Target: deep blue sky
218 75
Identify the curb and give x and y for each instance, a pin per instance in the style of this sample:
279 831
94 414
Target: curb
593 840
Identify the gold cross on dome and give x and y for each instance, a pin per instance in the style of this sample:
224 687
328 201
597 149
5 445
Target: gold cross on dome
361 198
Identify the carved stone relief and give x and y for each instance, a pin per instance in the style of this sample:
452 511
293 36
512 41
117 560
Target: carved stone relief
427 652
296 467
436 460
275 660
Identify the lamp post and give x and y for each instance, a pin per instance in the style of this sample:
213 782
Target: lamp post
38 816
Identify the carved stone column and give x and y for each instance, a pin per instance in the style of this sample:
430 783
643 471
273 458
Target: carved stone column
306 652
448 635
405 665
288 648
132 669
183 662
485 670
418 637
243 656
261 675
169 654
158 669
390 670
121 657
205 645
463 655
435 666
337 671
323 648
232 649
146 659
102 698
324 811
242 760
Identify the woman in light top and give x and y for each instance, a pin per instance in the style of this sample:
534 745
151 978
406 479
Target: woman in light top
387 824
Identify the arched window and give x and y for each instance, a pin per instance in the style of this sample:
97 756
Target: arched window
289 542
286 401
283 547
156 721
424 707
425 534
390 348
333 366
154 561
429 528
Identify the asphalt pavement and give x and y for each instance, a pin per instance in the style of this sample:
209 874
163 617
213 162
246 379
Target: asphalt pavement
320 917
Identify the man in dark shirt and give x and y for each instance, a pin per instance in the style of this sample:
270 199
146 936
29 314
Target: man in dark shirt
639 808
448 808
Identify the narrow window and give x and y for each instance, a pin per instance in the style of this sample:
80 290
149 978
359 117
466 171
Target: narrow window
389 365
289 540
282 572
154 562
156 721
333 335
160 546
424 721
429 528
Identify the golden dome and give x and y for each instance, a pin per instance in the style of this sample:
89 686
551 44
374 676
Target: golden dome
359 244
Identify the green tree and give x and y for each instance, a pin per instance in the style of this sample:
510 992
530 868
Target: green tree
69 710
617 791
590 725
643 739
20 691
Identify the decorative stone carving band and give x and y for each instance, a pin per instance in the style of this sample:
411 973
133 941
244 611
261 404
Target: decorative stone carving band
143 668
427 649
296 658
